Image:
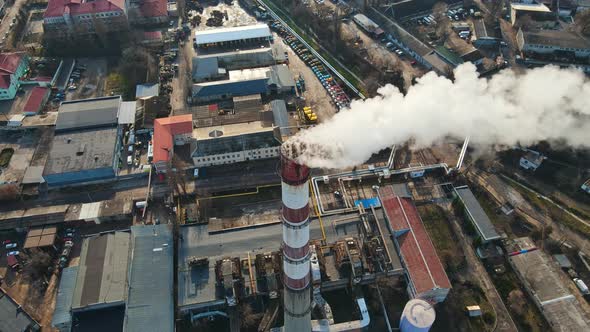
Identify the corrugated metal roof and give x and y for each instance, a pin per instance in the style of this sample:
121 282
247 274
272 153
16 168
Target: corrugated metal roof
87 113
150 304
34 174
102 275
147 90
230 88
281 117
233 33
65 293
127 112
482 222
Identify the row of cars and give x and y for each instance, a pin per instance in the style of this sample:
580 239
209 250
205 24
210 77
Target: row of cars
453 15
68 240
339 97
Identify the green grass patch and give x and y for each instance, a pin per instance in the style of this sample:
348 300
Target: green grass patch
437 225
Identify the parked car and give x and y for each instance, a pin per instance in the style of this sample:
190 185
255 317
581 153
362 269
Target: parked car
13 253
69 234
6 241
68 244
11 246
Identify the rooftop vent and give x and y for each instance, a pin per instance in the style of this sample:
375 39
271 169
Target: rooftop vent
216 133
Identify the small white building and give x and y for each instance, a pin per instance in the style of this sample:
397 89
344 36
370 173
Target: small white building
233 143
473 310
531 160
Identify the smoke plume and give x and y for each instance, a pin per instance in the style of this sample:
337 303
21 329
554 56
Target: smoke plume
543 104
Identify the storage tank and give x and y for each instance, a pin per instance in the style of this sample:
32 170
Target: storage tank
418 316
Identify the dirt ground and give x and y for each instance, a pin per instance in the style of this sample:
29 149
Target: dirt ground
92 80
236 16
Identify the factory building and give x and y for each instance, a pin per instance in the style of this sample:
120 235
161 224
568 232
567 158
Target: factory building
553 42
168 132
228 144
123 283
214 66
264 80
546 287
425 273
232 37
87 142
536 11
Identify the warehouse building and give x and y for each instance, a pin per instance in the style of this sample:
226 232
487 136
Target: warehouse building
543 282
234 143
425 273
87 142
214 66
123 283
477 215
233 37
264 80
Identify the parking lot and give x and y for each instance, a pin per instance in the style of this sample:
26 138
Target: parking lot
88 79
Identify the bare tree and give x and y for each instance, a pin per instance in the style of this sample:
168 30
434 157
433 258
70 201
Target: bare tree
583 22
443 24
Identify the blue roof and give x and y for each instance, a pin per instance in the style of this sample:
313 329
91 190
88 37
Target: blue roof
231 88
65 293
150 304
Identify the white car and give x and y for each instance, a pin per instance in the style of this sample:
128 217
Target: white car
68 244
13 253
11 246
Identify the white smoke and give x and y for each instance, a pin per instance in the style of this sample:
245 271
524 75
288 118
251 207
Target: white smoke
543 104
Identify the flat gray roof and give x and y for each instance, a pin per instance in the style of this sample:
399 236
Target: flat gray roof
102 274
12 316
81 150
127 112
280 116
559 38
85 113
147 90
150 305
482 222
542 278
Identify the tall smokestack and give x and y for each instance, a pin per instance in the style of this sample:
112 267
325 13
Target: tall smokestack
296 265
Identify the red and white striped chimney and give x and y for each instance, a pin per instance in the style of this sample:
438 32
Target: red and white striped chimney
296 265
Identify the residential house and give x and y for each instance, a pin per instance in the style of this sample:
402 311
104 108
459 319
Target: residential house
68 17
12 67
531 160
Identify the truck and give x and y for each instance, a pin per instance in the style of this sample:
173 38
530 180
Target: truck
368 26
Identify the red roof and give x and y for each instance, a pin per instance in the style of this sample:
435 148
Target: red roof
164 131
419 255
152 35
154 8
56 8
35 99
9 63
